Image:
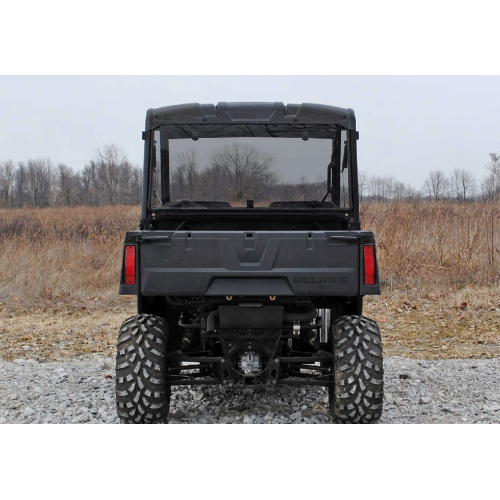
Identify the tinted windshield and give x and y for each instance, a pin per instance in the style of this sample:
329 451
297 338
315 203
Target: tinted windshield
271 171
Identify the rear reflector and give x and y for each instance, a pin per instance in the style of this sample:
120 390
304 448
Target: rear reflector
130 265
369 265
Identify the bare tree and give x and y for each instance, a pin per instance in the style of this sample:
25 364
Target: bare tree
40 182
493 180
489 188
109 178
243 167
412 193
463 184
135 186
177 183
7 178
468 185
188 168
400 190
362 185
211 185
109 159
436 185
91 185
67 185
20 190
494 165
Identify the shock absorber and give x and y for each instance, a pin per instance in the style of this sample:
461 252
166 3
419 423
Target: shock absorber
202 316
189 333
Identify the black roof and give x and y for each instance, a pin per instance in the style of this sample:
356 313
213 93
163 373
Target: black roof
251 112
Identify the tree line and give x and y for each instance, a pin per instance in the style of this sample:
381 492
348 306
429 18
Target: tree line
459 185
241 172
233 173
107 179
236 173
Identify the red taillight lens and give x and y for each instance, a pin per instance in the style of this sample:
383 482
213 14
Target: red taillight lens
130 265
369 265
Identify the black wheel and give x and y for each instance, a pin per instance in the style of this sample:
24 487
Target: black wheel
142 394
359 373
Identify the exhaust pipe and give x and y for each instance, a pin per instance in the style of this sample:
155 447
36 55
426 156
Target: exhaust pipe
307 316
325 325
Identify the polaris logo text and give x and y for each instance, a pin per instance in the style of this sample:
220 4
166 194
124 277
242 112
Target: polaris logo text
333 280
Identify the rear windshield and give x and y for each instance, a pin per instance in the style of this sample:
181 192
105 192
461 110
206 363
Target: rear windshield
277 172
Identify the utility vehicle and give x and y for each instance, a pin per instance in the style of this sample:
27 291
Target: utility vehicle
249 265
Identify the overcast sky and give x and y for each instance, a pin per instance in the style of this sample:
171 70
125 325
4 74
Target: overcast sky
408 125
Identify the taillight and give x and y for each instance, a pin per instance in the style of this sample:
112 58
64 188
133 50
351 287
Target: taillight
130 265
369 265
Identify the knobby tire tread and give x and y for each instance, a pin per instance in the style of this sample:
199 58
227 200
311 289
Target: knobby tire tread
142 394
359 373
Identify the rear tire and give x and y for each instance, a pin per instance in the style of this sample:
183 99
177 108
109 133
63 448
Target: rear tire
357 396
142 393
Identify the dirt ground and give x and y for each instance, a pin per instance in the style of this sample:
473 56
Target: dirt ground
458 324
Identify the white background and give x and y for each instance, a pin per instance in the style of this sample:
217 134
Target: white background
248 462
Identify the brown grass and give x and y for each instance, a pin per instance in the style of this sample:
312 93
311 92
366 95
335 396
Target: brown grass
436 245
452 324
58 253
59 271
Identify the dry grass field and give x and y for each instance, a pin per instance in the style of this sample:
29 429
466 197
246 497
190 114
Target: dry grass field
440 265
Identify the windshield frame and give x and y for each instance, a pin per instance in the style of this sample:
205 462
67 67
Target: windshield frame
167 132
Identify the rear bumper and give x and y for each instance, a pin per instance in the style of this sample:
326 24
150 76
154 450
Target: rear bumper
279 282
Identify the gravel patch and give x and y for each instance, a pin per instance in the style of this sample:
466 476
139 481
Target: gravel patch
416 391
